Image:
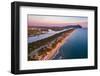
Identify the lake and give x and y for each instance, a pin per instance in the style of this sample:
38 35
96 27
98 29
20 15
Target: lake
44 36
75 47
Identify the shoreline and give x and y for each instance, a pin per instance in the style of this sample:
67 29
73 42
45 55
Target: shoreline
58 46
51 49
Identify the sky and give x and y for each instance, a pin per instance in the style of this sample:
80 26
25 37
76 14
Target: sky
48 20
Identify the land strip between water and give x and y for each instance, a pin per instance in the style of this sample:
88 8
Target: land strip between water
45 49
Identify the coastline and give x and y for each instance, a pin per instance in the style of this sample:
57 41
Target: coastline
50 50
58 46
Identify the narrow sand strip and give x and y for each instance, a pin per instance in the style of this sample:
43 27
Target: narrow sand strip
56 49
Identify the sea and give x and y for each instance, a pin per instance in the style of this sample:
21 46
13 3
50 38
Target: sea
76 47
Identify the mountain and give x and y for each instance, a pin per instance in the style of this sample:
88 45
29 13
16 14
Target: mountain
73 26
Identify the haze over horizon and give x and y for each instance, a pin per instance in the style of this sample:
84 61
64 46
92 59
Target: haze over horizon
44 20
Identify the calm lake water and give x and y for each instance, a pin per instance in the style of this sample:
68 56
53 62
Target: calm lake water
43 36
75 47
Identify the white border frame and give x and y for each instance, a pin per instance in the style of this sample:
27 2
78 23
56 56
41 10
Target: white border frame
24 64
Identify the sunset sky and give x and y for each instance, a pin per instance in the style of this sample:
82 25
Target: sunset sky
44 20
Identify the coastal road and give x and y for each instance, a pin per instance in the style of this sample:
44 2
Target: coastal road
38 49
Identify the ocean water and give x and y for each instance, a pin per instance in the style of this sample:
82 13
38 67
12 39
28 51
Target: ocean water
75 47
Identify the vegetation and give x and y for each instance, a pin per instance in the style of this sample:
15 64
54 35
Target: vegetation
48 41
35 31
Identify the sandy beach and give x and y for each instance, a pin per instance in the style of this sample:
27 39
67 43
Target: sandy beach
58 46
